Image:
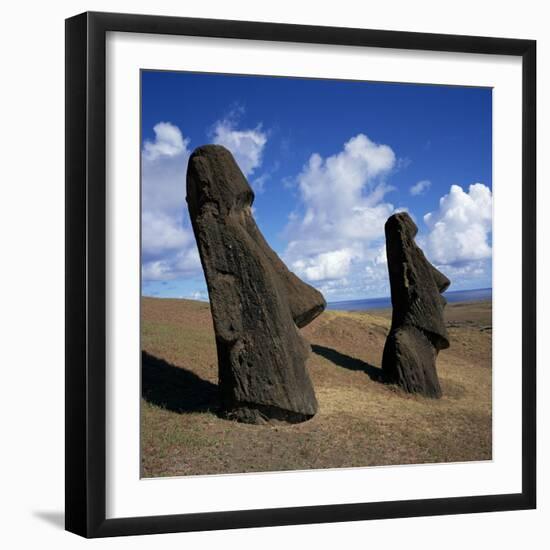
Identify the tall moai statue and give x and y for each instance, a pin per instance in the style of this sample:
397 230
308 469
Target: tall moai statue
257 303
418 329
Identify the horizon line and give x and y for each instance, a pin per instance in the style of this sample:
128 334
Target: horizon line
389 297
328 302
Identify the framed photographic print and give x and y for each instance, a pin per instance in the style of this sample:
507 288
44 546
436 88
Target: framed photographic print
300 274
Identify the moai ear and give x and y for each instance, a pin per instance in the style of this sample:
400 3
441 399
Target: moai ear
256 301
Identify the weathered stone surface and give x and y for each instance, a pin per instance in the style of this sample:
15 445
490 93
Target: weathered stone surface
256 302
418 328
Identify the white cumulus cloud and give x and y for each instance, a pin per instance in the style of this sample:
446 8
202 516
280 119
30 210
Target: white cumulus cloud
246 145
167 241
338 231
459 230
327 265
420 188
162 232
168 142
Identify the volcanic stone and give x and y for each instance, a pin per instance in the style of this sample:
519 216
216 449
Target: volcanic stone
256 302
418 329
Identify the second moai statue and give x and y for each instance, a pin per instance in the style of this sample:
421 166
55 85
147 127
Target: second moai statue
418 329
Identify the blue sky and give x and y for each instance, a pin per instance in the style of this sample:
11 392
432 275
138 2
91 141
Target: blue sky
329 161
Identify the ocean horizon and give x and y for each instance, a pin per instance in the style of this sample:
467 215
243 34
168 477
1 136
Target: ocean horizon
475 295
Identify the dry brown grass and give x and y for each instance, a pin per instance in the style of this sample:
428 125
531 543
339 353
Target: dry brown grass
361 422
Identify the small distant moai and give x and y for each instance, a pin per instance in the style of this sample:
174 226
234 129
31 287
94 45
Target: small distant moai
418 329
257 303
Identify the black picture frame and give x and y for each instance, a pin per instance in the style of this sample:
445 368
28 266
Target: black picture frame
86 268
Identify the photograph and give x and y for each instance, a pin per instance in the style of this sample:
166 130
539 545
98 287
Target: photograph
316 273
292 296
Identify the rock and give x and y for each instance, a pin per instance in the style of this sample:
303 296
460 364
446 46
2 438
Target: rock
418 329
256 302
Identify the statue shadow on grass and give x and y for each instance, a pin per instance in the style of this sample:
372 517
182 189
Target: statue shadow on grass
347 362
175 388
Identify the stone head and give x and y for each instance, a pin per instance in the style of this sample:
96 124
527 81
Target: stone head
216 183
416 285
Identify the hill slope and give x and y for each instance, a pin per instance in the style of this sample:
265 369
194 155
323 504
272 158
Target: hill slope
361 422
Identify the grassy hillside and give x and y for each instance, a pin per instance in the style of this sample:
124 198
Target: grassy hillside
361 422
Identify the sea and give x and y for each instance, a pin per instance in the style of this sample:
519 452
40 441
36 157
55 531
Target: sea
477 295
